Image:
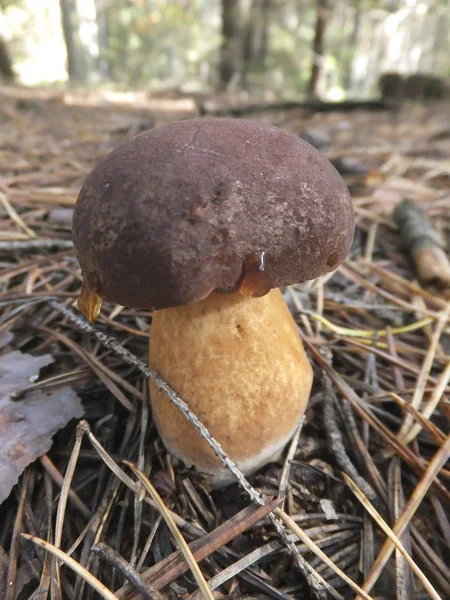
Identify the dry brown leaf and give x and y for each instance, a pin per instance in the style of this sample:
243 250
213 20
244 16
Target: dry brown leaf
28 425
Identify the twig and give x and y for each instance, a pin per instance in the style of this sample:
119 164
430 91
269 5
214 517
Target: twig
174 565
31 245
118 562
334 436
198 575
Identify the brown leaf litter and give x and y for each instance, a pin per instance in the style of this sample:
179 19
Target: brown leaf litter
378 338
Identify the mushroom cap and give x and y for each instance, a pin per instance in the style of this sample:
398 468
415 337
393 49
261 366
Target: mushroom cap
175 213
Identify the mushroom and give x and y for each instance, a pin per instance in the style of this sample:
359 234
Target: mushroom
203 220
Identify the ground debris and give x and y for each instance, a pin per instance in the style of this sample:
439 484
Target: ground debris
385 336
28 424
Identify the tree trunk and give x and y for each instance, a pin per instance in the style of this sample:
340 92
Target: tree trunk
256 38
104 66
6 69
318 46
351 79
229 59
69 19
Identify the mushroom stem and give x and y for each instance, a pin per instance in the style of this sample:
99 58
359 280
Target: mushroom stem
240 365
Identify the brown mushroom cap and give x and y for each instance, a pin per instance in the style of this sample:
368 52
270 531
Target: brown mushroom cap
174 213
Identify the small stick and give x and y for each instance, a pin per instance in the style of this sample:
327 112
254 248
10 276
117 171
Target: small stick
335 439
31 245
118 562
174 565
422 242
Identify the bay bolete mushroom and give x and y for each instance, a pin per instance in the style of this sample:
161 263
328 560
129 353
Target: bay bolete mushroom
203 220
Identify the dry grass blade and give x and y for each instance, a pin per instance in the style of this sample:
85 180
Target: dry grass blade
14 551
59 480
431 404
365 333
238 567
175 532
66 487
292 525
111 464
391 535
412 505
15 217
424 373
70 562
422 420
174 565
284 479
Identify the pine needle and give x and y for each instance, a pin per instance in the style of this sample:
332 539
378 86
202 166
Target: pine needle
391 535
70 562
175 532
292 525
368 333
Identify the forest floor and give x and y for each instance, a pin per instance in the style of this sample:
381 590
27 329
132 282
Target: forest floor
377 336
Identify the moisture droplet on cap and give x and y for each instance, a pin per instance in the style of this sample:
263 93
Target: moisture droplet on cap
254 281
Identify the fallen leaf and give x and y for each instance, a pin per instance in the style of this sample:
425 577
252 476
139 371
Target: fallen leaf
28 425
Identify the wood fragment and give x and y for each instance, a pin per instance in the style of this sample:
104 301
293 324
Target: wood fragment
118 562
174 565
423 244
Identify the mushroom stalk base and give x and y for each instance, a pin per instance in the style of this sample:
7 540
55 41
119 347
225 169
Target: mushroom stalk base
240 365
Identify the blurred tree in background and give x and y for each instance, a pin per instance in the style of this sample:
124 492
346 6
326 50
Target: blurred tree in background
286 47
